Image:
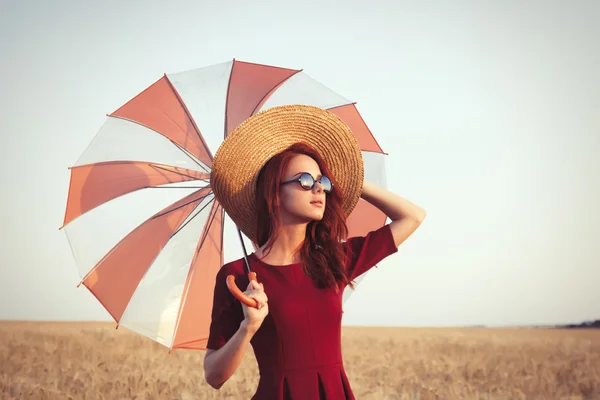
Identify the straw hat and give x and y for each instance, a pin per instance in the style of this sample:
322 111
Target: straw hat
255 141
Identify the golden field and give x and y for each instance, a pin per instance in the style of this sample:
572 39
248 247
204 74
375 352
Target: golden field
95 361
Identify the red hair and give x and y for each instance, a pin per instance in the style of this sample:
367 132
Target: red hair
322 252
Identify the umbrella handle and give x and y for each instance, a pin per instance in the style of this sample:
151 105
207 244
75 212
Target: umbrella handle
238 294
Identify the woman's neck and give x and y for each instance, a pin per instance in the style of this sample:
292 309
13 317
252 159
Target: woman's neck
285 247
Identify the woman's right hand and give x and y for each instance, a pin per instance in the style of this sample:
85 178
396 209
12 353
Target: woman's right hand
254 317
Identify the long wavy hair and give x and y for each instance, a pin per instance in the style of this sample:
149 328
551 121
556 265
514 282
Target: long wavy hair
322 252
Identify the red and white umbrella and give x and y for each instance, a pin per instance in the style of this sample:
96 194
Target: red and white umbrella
146 232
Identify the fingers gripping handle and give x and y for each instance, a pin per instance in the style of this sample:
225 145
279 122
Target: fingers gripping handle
238 294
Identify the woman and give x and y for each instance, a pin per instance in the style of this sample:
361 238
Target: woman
302 262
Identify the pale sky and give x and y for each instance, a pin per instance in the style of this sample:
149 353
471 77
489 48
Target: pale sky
489 112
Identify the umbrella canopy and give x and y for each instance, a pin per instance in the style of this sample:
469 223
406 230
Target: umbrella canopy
146 232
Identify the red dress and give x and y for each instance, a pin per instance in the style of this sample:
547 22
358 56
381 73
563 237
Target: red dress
298 346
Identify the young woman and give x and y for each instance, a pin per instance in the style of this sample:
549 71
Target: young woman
303 264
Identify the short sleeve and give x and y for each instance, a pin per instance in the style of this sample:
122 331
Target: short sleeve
367 251
227 313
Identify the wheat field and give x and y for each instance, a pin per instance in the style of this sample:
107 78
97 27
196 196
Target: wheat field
94 361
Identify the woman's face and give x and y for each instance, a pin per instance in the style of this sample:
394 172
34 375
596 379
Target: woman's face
299 205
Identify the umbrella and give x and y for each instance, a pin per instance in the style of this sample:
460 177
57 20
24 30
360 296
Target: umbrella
146 233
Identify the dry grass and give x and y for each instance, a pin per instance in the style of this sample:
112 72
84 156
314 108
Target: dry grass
95 361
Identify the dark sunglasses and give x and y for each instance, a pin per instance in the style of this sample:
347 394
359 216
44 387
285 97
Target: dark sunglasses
308 182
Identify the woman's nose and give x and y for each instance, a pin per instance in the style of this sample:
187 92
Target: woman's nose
318 187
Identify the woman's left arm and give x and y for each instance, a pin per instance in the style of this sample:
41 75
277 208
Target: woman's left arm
406 216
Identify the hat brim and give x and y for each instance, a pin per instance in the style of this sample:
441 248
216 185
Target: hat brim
255 141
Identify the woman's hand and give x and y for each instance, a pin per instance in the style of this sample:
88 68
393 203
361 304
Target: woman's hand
254 317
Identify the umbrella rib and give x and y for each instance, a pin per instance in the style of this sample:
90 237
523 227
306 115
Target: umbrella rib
191 156
189 115
176 187
209 225
273 89
225 127
164 136
204 235
185 204
353 104
176 172
194 216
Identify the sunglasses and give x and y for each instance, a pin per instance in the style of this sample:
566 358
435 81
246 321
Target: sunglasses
308 182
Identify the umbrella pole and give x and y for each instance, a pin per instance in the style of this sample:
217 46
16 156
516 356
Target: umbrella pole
237 293
244 249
